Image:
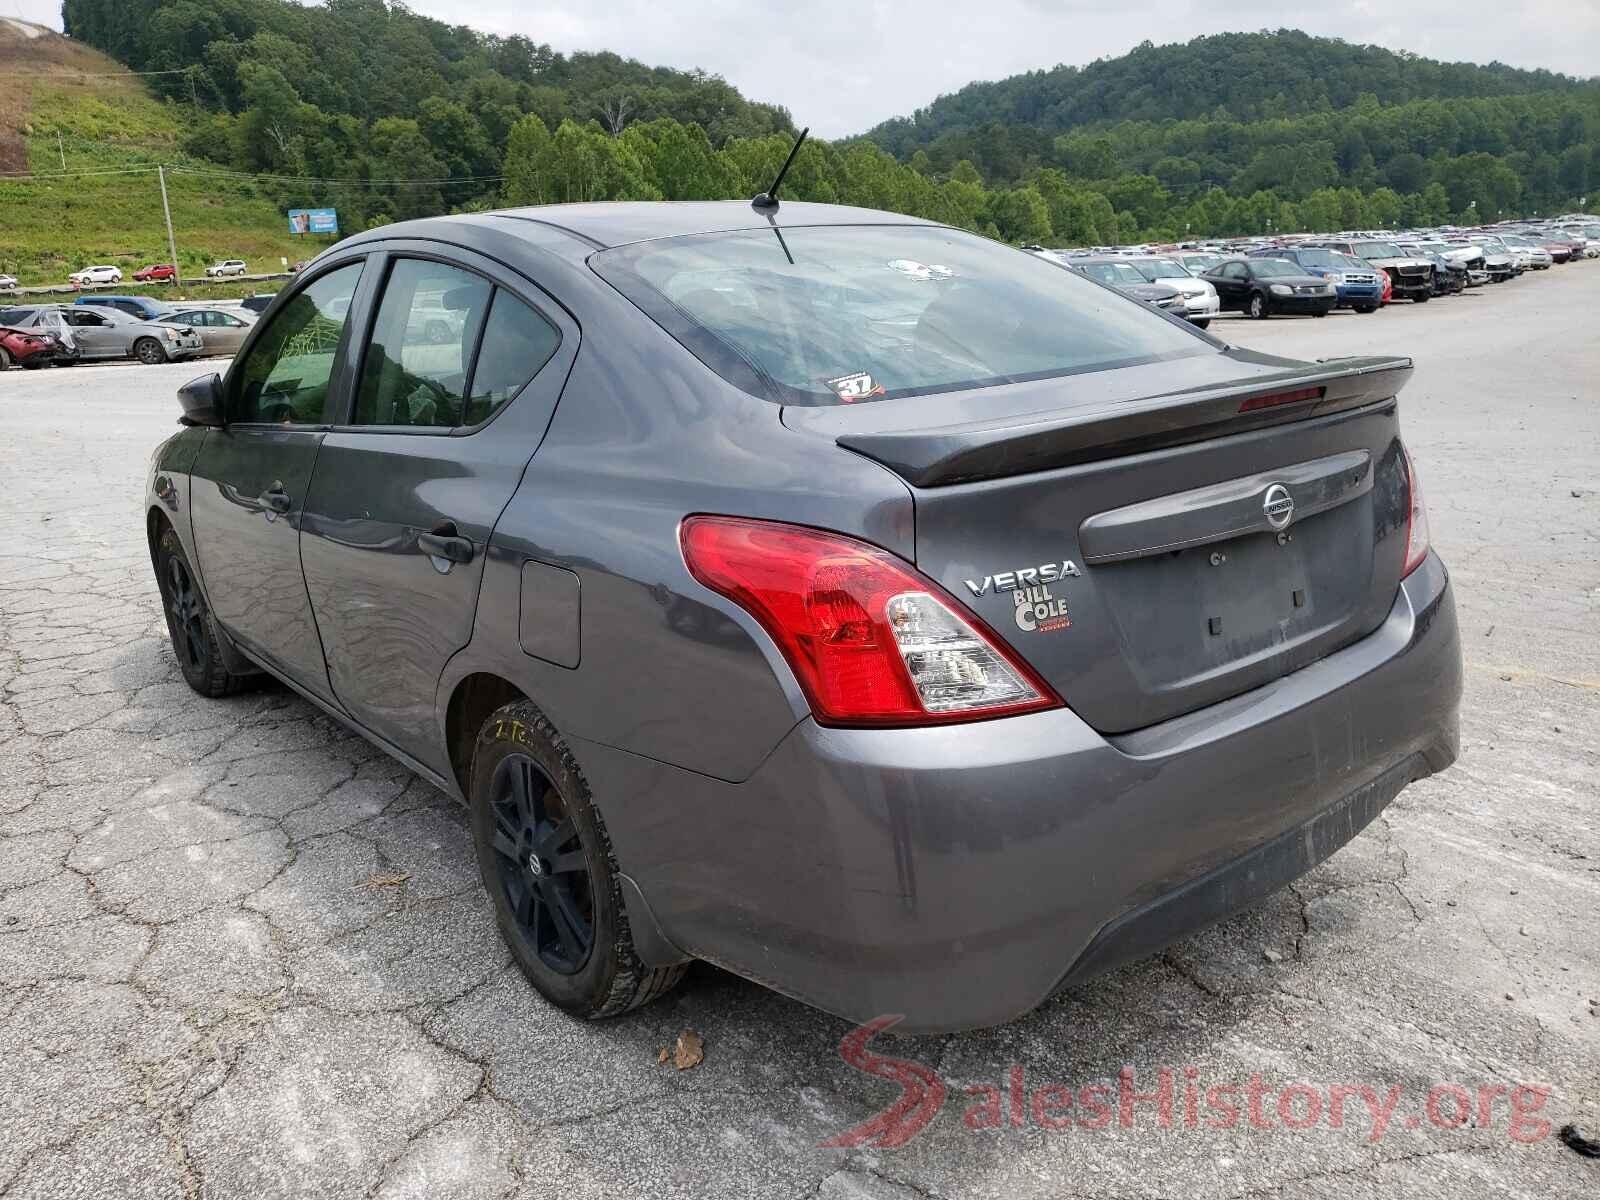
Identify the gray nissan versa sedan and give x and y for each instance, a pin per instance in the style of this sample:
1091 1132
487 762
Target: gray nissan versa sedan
882 613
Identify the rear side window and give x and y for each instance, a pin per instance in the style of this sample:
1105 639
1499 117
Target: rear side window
415 372
516 342
821 315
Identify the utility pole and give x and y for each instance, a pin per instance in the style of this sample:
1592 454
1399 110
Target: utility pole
172 245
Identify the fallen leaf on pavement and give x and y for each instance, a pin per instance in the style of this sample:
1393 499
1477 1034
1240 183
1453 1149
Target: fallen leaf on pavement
383 879
690 1050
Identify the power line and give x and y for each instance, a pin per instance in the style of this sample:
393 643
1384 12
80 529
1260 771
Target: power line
91 74
245 177
221 173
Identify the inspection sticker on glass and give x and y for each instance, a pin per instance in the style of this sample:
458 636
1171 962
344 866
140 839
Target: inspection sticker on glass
860 386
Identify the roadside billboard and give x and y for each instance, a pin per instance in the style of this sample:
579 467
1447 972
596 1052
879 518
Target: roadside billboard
313 220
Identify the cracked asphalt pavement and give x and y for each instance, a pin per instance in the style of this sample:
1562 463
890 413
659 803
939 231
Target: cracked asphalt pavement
244 954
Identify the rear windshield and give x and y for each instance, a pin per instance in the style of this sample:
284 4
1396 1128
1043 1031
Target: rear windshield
1378 250
1157 269
1113 273
821 315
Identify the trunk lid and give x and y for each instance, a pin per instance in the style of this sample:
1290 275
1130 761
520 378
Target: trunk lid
1151 550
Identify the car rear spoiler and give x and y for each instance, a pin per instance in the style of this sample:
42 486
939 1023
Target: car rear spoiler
934 456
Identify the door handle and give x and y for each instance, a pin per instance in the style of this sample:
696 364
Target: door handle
444 542
277 499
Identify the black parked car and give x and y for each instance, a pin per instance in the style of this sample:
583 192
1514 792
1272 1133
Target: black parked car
1264 286
861 604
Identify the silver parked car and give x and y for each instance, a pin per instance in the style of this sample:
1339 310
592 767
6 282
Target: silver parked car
228 266
100 333
221 330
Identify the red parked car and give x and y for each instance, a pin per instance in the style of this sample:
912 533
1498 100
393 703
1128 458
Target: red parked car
156 273
1388 288
29 349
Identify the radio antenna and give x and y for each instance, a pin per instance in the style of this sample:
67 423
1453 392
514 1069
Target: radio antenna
769 198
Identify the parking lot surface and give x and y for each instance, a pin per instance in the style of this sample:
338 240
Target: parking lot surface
243 954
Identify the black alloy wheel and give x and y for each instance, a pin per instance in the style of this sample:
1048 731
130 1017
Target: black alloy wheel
185 617
540 867
546 860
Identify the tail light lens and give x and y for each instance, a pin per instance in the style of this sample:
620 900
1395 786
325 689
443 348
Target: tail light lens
1416 519
871 641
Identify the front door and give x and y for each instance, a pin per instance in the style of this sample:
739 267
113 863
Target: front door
407 491
250 479
97 336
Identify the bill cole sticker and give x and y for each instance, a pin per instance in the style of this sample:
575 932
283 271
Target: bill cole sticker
860 386
1038 611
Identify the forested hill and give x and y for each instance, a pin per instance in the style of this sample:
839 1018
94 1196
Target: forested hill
371 60
1229 76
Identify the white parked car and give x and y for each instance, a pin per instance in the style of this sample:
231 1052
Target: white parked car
7 282
100 274
1200 299
229 266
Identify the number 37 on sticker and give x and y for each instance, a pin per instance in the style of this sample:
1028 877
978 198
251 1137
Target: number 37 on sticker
860 386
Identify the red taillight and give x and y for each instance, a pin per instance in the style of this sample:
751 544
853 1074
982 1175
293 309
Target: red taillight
871 641
1416 519
1276 398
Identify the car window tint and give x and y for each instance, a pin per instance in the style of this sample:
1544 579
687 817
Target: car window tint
516 342
415 371
285 376
826 315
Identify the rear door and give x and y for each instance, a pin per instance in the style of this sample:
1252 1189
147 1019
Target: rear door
97 336
409 484
249 481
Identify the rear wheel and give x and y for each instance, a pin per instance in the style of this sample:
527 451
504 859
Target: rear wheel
1258 307
190 624
1323 313
1420 298
546 860
1366 308
1201 324
149 352
5 358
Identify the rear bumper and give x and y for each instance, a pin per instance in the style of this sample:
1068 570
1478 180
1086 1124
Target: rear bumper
960 875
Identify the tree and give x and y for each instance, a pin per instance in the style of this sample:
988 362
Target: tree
1021 215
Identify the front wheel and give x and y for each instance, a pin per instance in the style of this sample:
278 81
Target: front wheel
189 622
1420 298
1258 307
546 860
1201 324
149 352
1366 308
1323 313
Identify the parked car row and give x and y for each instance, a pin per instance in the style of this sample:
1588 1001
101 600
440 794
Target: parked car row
163 272
101 327
1311 274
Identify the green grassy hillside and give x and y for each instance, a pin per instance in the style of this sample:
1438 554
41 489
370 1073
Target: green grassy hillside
54 225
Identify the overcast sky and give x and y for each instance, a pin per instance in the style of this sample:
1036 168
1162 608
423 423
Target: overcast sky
841 66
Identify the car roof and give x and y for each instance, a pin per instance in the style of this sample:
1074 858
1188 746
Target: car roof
617 223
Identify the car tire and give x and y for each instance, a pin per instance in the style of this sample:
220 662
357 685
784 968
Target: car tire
190 625
1257 308
1421 298
1323 313
1201 324
5 359
565 922
148 351
1366 308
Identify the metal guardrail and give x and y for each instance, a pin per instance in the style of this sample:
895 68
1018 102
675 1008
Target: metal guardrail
71 289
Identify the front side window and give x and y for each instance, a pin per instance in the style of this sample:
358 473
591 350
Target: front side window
1116 274
285 376
822 315
415 371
